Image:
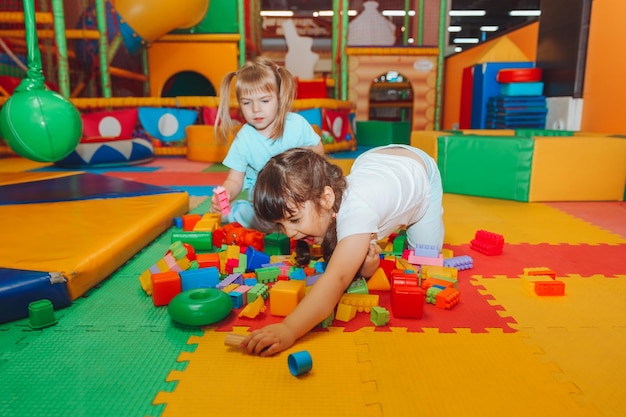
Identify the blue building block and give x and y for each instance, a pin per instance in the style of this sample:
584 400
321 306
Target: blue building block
199 278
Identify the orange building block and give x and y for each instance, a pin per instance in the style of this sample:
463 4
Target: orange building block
448 298
165 286
285 296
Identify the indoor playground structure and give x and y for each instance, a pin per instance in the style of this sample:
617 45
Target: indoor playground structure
121 294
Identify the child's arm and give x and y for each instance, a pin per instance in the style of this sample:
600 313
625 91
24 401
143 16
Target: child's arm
372 260
317 304
233 185
319 148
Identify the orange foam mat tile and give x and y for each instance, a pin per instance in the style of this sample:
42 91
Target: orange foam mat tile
8 178
518 222
223 381
462 374
86 240
19 164
593 301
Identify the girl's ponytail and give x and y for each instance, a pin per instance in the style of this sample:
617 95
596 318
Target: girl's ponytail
224 125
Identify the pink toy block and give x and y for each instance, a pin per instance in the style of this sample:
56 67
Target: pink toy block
222 198
425 260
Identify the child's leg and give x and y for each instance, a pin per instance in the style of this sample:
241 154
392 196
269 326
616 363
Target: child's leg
429 230
242 212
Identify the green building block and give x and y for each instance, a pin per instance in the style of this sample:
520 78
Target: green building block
379 316
268 274
379 133
486 166
276 244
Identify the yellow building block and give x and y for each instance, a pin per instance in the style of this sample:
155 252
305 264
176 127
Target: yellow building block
345 312
429 271
379 281
362 302
285 296
591 168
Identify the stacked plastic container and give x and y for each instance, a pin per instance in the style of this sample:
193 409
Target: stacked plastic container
521 103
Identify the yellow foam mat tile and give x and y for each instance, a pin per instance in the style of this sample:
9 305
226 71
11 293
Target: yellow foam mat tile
518 222
595 301
223 381
86 240
591 358
462 374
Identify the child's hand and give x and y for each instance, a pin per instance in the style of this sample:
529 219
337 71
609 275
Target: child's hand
215 204
269 340
372 260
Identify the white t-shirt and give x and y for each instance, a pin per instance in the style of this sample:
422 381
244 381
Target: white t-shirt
250 150
384 192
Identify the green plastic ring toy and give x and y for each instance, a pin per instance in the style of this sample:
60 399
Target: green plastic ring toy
200 306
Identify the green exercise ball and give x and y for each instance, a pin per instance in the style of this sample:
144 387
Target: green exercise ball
40 124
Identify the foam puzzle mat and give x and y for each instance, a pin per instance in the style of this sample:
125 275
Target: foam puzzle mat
501 352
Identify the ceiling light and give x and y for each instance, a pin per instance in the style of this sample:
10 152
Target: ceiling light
454 28
467 12
489 28
457 49
277 13
329 13
525 13
465 40
391 13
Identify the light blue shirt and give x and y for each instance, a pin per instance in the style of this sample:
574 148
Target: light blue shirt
250 150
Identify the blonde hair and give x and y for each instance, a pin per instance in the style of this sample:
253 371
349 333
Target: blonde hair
259 75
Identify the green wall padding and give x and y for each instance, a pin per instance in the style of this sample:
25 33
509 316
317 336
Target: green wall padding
486 166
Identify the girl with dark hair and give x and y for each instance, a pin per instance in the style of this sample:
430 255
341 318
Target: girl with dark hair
308 198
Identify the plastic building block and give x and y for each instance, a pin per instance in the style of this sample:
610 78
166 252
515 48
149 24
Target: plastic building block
488 243
189 221
299 363
165 286
285 296
540 271
234 339
207 260
362 302
328 321
230 279
345 312
255 259
266 275
201 241
222 199
459 262
208 223
174 260
549 288
447 298
441 271
443 282
405 277
379 316
379 281
254 308
200 307
277 244
297 274
200 278
425 260
258 290
41 314
428 251
358 286
312 279
407 301
399 244
431 293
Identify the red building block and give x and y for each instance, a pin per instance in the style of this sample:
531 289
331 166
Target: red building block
407 301
488 243
165 286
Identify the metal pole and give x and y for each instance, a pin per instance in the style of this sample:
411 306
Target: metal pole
443 9
61 41
103 45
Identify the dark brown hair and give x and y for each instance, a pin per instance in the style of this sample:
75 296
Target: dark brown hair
259 75
292 178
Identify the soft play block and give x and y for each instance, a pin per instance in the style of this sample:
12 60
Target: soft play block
485 85
486 166
203 146
578 168
378 133
426 140
19 288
